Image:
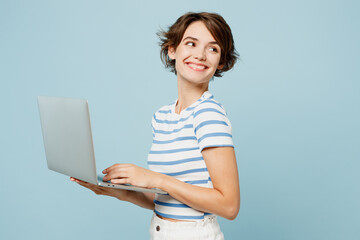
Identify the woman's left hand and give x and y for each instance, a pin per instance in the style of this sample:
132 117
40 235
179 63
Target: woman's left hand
132 174
112 192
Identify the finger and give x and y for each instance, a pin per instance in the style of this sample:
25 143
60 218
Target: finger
88 185
111 167
75 179
121 181
118 173
115 166
92 187
85 184
79 181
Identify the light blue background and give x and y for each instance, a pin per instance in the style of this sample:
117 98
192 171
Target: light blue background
293 100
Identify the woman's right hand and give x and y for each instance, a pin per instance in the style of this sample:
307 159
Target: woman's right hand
112 192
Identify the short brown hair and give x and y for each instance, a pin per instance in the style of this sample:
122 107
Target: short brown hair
218 28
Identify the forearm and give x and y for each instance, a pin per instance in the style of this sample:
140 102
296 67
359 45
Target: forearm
142 199
145 200
203 199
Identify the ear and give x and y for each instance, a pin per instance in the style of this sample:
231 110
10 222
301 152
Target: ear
220 67
171 53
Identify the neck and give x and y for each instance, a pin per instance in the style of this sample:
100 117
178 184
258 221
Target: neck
189 93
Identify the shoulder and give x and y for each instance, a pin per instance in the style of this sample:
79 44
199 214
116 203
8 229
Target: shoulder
166 109
209 106
211 125
162 114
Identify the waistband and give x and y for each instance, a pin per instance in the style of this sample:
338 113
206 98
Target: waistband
207 219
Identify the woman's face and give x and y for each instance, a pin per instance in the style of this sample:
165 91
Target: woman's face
197 56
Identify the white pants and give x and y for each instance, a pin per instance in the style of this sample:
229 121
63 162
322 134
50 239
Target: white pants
208 229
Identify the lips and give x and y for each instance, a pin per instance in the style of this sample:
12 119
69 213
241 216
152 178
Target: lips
196 66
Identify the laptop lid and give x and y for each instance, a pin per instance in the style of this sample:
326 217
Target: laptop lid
66 130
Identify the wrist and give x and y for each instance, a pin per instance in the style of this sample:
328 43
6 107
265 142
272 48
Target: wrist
123 195
160 183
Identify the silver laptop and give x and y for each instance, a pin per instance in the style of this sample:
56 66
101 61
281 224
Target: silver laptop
69 150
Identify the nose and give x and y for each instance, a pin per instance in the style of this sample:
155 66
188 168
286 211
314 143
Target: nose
200 54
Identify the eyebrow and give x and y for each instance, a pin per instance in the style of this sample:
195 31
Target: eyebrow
195 39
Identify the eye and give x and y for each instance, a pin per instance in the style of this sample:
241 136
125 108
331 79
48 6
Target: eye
190 44
213 49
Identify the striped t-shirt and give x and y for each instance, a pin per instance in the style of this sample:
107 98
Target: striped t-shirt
178 140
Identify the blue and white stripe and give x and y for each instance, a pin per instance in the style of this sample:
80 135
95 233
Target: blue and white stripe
178 140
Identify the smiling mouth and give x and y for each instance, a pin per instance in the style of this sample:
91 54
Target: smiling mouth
196 67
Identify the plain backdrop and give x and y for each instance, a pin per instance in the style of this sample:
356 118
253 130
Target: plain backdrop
293 100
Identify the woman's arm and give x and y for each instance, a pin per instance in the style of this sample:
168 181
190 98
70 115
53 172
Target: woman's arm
142 199
223 199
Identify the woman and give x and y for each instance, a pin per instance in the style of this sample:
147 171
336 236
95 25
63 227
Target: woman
192 156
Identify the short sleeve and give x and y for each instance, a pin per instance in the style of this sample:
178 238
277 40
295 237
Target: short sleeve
212 126
153 122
